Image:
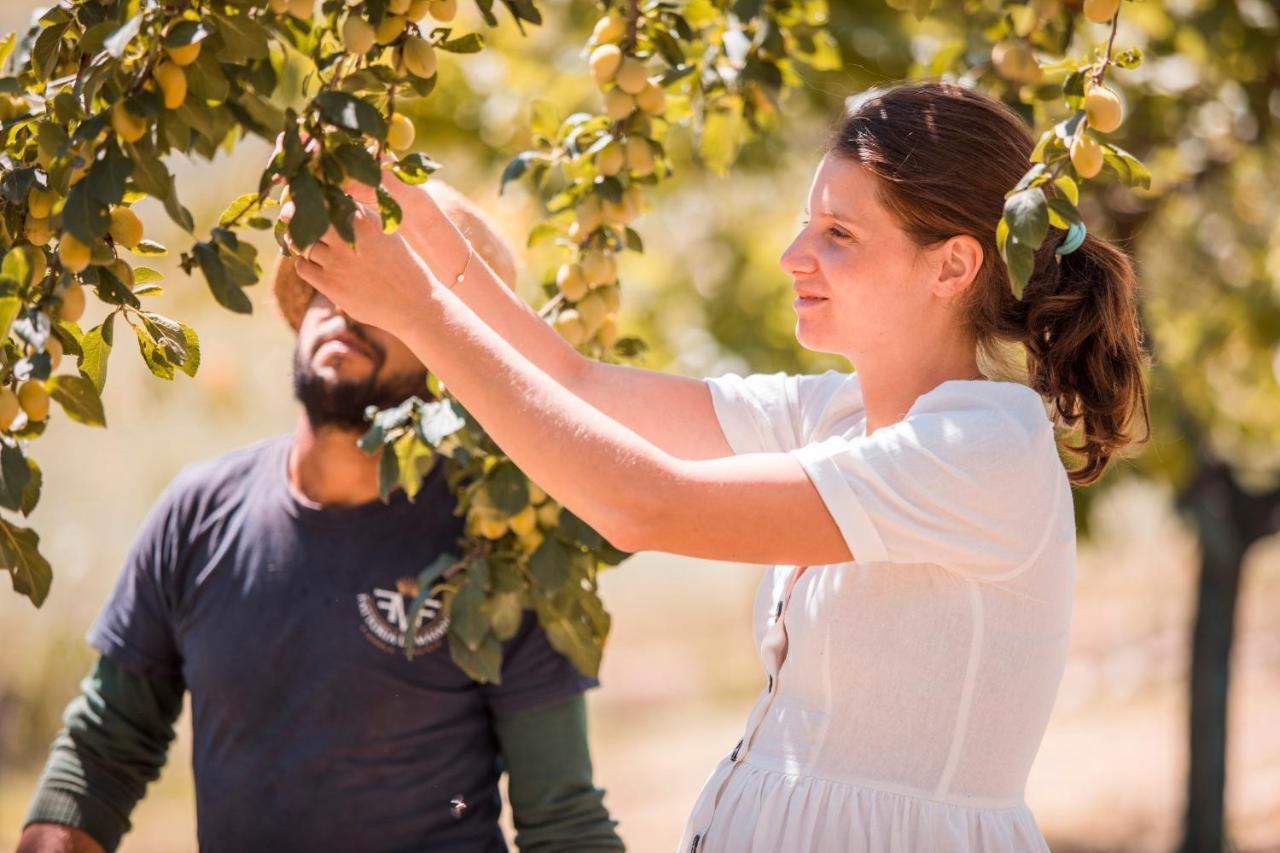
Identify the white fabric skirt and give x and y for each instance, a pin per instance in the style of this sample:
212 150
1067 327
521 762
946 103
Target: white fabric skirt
764 811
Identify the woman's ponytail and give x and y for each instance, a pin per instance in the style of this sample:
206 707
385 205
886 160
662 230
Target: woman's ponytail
1083 339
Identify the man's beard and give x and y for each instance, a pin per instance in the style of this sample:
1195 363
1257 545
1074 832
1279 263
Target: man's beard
341 405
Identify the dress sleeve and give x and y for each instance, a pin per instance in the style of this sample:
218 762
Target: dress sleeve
770 412
976 490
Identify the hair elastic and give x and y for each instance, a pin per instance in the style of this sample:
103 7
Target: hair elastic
1074 239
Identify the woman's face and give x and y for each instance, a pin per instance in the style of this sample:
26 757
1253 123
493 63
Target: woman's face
861 282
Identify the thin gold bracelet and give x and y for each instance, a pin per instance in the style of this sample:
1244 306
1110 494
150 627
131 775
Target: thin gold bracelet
457 280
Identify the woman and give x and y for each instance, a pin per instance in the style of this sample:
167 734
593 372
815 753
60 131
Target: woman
914 631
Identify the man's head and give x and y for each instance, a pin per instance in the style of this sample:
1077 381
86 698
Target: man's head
340 366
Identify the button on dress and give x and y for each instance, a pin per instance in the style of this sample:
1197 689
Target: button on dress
905 693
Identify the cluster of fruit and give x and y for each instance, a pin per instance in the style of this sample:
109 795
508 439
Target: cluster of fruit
1014 60
486 519
168 76
413 54
588 281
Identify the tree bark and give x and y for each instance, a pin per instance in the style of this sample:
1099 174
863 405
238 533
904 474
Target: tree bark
1229 520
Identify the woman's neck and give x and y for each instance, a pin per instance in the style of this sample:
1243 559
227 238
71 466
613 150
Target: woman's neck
890 387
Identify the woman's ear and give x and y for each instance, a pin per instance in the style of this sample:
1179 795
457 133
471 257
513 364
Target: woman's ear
958 260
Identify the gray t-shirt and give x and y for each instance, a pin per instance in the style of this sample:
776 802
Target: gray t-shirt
286 622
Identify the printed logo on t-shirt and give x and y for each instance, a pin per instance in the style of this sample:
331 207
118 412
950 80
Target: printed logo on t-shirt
385 616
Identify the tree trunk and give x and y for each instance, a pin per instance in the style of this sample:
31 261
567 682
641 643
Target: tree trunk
1228 521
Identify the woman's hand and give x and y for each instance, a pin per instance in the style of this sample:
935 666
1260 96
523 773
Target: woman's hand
379 281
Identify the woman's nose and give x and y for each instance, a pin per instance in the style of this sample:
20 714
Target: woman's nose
797 260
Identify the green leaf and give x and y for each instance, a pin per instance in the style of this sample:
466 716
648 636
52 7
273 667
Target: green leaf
31 493
467 620
1028 216
388 474
20 554
79 399
246 203
86 218
152 355
191 363
186 32
579 531
483 664
425 581
389 211
348 111
517 167
1127 167
505 614
415 168
359 164
550 566
311 214
93 361
116 44
243 38
508 488
225 290
1020 259
14 475
149 248
470 43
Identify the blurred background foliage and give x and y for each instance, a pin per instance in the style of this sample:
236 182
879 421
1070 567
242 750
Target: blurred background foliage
1180 576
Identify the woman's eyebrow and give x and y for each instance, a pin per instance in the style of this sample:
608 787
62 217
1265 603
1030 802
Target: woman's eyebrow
832 214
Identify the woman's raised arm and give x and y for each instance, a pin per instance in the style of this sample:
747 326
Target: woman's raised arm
646 401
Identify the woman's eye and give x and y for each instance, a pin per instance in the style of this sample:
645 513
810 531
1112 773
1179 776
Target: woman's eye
838 234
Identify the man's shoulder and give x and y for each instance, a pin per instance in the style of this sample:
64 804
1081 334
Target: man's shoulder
221 477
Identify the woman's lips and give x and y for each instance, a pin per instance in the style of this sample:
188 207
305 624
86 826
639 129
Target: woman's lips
803 301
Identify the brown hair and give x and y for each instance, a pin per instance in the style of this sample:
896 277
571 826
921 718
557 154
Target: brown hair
945 157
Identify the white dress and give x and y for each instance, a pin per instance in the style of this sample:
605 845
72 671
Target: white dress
906 692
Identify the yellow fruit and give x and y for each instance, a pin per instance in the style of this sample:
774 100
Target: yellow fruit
632 77
419 57
53 346
280 7
599 267
127 126
390 29
1015 61
569 325
608 332
590 215
418 9
549 514
400 132
486 525
639 156
357 35
9 408
73 254
1086 156
1101 11
37 230
609 28
633 200
536 495
592 311
523 522
39 266
125 228
605 61
398 7
652 99
610 160
617 214
34 400
612 297
173 84
184 54
40 202
303 9
571 282
72 308
1102 109
444 10
531 541
618 104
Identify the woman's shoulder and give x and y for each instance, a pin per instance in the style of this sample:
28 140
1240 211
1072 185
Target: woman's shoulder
1001 406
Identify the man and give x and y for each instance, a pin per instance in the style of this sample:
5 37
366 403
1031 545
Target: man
273 584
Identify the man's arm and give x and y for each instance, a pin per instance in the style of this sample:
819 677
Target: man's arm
115 739
555 804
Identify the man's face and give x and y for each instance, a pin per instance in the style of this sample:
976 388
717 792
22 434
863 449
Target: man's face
340 367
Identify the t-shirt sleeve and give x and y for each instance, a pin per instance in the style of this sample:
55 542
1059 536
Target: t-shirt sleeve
770 412
135 627
975 490
534 675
